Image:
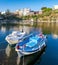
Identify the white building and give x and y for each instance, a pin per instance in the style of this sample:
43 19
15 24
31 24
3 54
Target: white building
26 11
55 7
23 12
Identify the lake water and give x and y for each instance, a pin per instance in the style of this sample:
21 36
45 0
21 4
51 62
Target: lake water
48 56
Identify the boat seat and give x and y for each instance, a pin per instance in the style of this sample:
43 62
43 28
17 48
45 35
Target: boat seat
31 43
34 38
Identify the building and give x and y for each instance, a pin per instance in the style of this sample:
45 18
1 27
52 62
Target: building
31 13
23 12
18 12
55 7
26 11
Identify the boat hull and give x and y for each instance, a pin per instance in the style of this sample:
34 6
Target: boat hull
11 41
28 53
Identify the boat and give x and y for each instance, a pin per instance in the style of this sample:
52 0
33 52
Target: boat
31 45
35 57
15 37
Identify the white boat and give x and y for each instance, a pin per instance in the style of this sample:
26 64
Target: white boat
31 45
15 37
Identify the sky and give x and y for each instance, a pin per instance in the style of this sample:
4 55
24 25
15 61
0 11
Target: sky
35 5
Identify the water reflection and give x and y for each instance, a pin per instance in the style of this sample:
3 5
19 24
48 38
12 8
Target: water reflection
10 57
47 28
3 29
55 36
17 28
8 50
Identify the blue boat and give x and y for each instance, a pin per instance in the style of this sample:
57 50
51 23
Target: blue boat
31 44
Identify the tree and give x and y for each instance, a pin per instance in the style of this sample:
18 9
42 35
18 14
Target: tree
43 8
46 11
